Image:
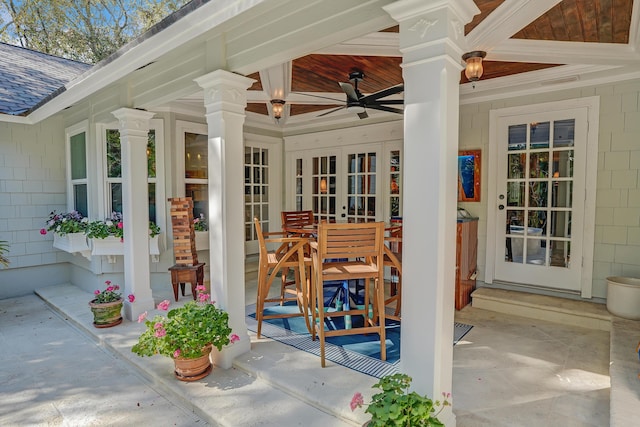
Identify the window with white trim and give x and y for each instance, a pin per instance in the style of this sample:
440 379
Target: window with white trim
77 180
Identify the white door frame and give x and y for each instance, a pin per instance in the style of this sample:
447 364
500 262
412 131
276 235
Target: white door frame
592 104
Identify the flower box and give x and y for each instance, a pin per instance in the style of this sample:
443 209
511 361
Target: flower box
111 246
72 243
202 240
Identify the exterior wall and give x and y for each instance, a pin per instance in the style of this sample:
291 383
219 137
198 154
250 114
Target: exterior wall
32 184
617 233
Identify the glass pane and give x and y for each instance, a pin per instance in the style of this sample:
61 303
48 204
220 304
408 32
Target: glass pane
515 221
395 206
539 165
323 165
395 161
516 166
298 185
371 206
332 165
78 148
372 184
538 192
256 156
513 249
537 223
560 254
372 162
200 195
80 200
517 137
265 175
564 133
323 204
248 233
114 154
152 202
195 163
265 193
359 184
352 205
563 164
561 194
560 224
314 164
351 184
298 203
265 157
535 251
151 155
361 163
256 175
116 197
332 185
332 205
515 194
247 155
395 187
265 212
247 213
247 174
539 135
298 167
316 185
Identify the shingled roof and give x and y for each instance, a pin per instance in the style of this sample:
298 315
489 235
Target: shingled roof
27 77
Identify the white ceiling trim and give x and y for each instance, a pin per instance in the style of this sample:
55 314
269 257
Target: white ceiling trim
376 44
560 52
505 21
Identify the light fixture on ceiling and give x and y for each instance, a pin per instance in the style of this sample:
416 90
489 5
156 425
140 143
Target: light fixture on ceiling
473 70
278 107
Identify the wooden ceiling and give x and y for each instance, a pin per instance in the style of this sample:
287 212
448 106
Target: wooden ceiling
585 21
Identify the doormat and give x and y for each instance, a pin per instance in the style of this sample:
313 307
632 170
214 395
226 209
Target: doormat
358 352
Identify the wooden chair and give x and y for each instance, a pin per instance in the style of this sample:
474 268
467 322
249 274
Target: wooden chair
296 218
276 264
393 259
362 245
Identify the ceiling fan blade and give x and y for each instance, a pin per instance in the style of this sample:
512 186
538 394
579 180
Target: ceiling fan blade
319 96
385 102
363 115
384 93
383 108
349 90
332 111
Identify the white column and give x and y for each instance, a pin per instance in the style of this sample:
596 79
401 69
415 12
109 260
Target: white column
134 128
225 99
431 35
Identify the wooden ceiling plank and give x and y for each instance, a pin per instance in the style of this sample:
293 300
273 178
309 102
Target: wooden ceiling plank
557 24
605 21
572 23
589 18
622 20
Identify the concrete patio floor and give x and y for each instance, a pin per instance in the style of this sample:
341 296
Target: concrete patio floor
508 371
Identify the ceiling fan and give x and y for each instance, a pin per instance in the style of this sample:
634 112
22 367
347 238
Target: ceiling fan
358 103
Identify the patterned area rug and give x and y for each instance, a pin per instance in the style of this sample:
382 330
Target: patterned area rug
358 352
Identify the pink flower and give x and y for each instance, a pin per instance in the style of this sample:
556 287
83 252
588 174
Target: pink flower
160 333
203 297
142 317
164 305
120 225
131 297
196 220
176 354
107 282
96 292
234 338
43 231
356 401
158 325
110 289
201 288
116 287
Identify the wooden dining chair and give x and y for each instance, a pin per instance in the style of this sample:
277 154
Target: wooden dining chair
273 265
296 218
393 259
361 244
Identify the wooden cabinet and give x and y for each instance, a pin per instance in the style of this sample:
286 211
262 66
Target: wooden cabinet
466 257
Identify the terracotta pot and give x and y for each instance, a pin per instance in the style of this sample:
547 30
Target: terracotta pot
106 314
193 369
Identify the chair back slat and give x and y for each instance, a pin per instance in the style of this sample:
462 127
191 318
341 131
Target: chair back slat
347 240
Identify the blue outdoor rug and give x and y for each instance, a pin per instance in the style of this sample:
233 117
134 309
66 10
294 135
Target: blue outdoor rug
358 352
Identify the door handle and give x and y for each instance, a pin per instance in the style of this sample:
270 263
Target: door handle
501 207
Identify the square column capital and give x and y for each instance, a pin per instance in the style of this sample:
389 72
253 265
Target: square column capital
224 90
132 120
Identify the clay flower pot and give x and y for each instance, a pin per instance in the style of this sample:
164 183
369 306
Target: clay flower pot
106 314
193 369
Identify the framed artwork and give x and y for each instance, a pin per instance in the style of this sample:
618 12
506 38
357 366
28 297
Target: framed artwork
469 175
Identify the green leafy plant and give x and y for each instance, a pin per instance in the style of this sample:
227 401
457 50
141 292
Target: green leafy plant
185 331
396 406
4 249
109 294
65 223
114 226
200 223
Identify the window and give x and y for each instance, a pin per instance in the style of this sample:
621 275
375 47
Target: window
77 172
196 172
256 189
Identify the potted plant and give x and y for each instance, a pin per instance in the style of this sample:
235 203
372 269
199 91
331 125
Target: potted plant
201 228
394 405
186 335
106 306
4 249
68 231
107 236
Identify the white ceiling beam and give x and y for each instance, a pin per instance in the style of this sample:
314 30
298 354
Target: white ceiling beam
556 52
506 20
376 44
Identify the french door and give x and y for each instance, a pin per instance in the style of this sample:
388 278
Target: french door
540 191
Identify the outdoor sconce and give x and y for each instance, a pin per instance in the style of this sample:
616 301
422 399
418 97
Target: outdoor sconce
474 70
278 107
